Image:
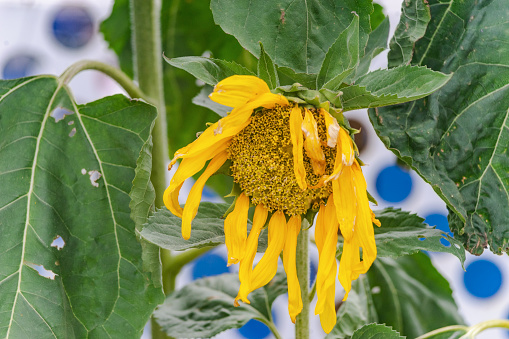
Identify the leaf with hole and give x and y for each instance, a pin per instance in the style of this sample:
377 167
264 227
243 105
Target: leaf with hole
66 172
457 139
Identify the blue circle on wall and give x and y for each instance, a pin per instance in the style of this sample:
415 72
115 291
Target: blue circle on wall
482 278
73 26
312 272
208 265
440 221
19 66
393 184
255 329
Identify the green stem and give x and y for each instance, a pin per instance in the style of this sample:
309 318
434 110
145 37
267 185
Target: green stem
476 329
148 70
120 77
302 321
273 329
443 330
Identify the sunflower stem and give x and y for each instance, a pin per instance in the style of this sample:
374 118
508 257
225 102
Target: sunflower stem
148 70
302 320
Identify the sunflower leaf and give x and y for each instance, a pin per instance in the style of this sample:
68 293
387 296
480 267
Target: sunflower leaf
295 33
304 79
341 59
377 43
410 295
457 139
202 99
267 70
403 233
377 331
164 229
415 16
388 87
66 172
208 70
205 307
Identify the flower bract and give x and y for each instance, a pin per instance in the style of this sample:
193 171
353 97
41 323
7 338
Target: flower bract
287 158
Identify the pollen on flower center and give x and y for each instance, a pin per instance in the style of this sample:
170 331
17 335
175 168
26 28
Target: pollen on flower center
263 165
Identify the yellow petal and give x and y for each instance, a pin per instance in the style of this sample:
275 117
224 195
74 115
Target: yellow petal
235 226
345 200
266 268
349 259
328 315
332 127
312 143
320 228
188 167
194 197
345 154
237 90
246 264
298 143
327 265
364 232
289 262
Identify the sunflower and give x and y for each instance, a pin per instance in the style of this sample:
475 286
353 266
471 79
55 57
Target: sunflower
288 158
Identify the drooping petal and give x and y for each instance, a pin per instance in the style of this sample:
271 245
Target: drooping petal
246 264
332 127
345 154
312 143
345 200
320 228
327 265
364 232
231 124
235 230
289 262
237 90
188 167
266 268
194 197
350 258
298 144
328 315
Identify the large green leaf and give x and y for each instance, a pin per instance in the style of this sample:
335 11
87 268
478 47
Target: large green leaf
403 233
357 311
388 87
411 296
415 17
164 229
205 307
66 173
458 138
296 34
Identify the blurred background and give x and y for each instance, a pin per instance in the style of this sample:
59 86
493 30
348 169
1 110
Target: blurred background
46 36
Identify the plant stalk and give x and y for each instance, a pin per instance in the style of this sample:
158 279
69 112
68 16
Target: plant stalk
148 71
302 262
120 77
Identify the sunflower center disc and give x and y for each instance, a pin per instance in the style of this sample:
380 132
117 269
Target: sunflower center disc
262 163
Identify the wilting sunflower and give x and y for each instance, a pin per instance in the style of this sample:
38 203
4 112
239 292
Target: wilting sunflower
287 157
